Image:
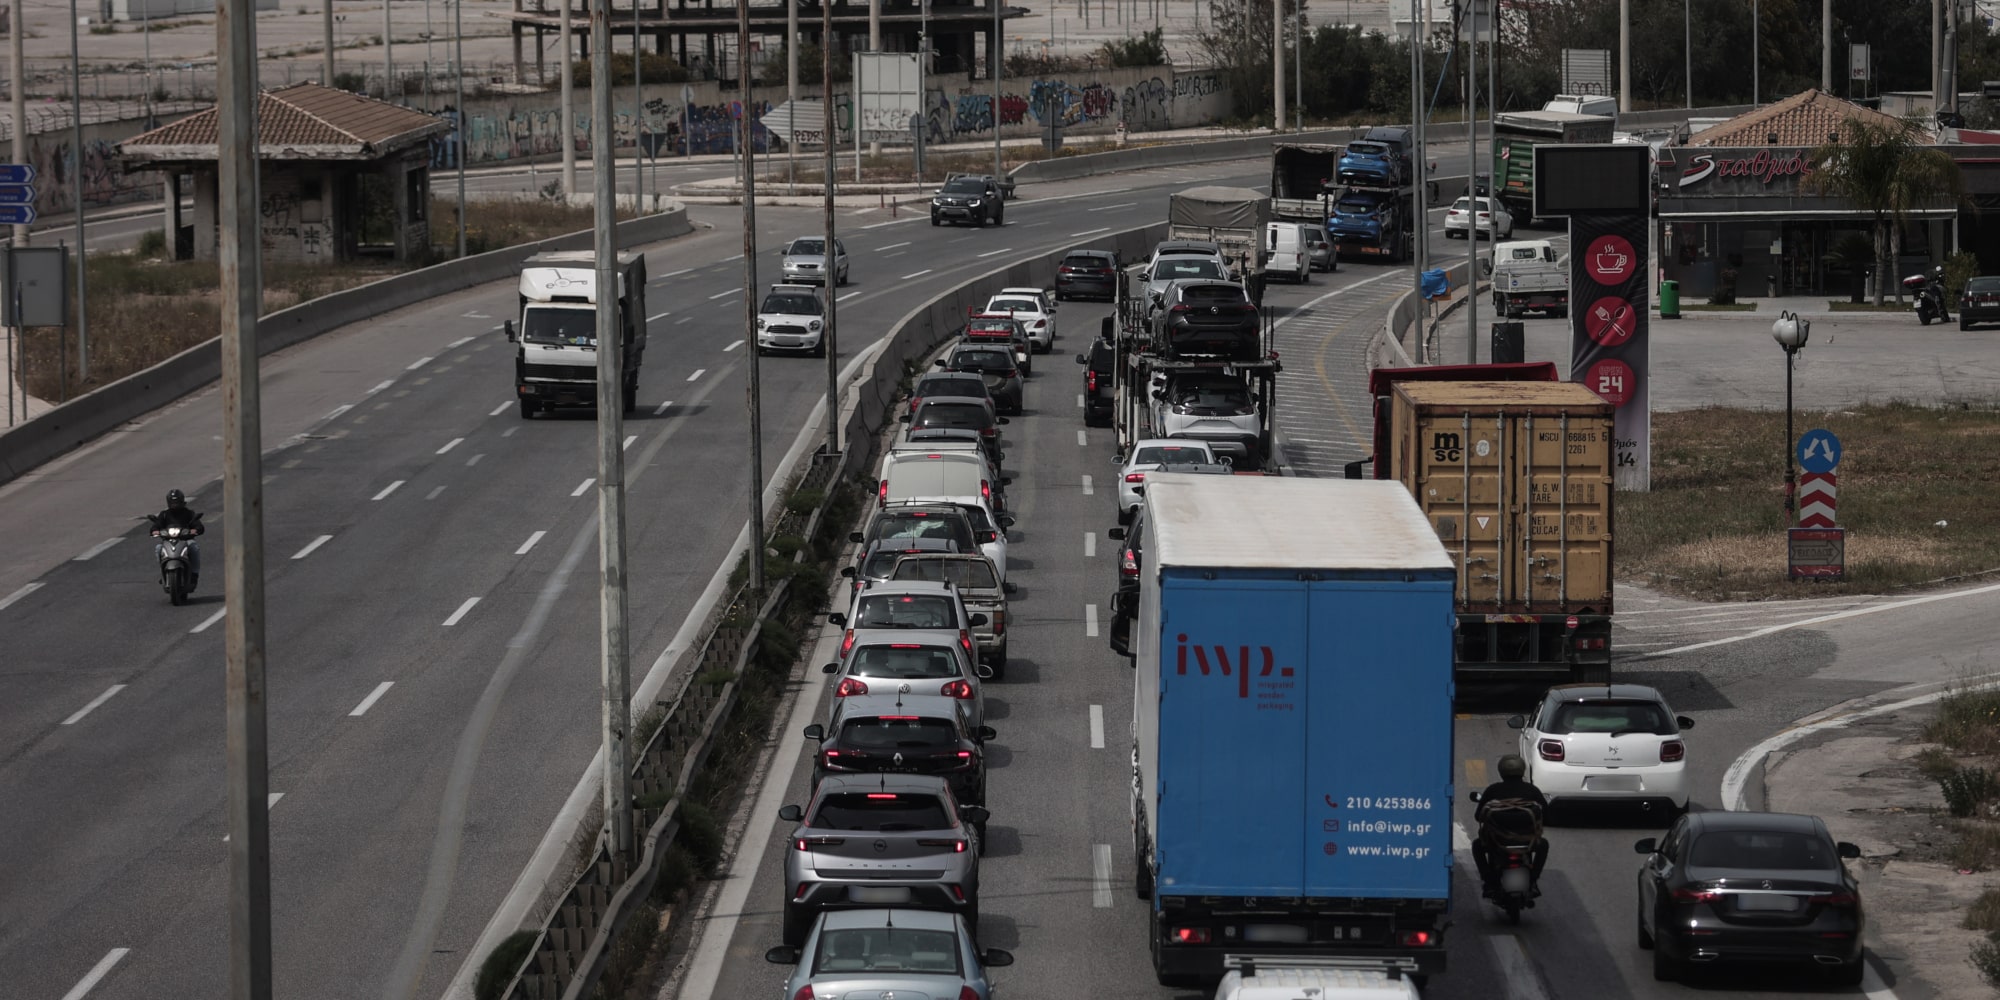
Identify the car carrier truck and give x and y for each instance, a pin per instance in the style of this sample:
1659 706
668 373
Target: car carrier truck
555 363
1302 176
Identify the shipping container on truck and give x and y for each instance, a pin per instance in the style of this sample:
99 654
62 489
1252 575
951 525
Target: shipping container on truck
1302 176
1516 479
1515 136
1292 725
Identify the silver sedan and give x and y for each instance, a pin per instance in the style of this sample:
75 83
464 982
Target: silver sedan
873 953
805 261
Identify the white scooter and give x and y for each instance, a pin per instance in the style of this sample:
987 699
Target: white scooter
176 552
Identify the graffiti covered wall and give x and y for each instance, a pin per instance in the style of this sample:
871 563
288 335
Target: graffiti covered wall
60 175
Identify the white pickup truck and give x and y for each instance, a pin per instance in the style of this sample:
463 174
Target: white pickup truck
1528 275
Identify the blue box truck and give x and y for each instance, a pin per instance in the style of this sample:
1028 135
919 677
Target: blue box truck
1292 725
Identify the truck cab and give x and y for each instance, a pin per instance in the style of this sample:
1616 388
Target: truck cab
556 362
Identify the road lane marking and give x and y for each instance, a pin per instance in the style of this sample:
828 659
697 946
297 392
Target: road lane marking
1822 619
419 363
739 256
1100 876
1089 544
373 697
996 253
94 702
1461 842
734 344
1090 620
1086 486
1097 727
892 246
449 445
9 600
270 801
502 408
1107 208
1091 232
662 408
433 495
1518 971
509 432
1079 401
724 295
530 543
462 341
628 441
463 609
474 460
386 383
310 546
581 487
210 620
338 410
699 372
919 274
97 974
663 315
391 488
98 549
1082 440
849 295
673 274
683 319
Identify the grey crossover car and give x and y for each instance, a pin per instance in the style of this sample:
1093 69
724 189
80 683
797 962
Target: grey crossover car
928 661
881 840
996 365
897 732
885 953
805 261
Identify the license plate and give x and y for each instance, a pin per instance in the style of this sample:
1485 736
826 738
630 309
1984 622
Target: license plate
878 894
1612 783
1766 902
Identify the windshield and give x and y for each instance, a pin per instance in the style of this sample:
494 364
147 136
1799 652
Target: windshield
952 385
993 361
1168 455
974 574
965 185
552 325
1983 285
1355 206
905 611
1760 850
887 949
1367 149
791 303
904 661
1611 717
994 328
953 415
1082 260
1171 268
1208 395
807 247
1013 305
898 732
921 524
881 812
1212 295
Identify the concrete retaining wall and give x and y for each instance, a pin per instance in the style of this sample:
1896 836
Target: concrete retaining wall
1118 160
82 419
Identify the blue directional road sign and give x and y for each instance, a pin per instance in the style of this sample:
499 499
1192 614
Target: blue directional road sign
1819 451
17 173
17 215
16 194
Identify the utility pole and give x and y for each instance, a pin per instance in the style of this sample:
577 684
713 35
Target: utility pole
17 102
639 110
568 108
326 60
76 145
826 108
1299 71
1937 54
458 146
611 595
874 45
1472 183
248 768
1687 48
389 88
1826 46
751 392
1420 252
1624 55
1756 53
1277 64
1948 101
791 56
996 57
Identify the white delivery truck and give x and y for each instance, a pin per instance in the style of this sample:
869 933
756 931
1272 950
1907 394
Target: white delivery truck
555 363
1529 276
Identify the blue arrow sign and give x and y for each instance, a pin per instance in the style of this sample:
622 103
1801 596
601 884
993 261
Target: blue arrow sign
17 173
17 215
16 194
1819 451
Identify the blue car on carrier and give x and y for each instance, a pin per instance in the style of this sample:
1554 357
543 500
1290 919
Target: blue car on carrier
1371 223
1381 157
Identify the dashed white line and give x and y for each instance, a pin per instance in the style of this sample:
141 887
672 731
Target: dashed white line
502 408
1100 876
1097 727
373 697
25 590
891 246
1107 208
384 385
583 486
1089 544
1086 486
338 410
1079 401
849 295
739 256
629 438
419 363
662 408
1082 440
462 341
724 295
449 445
1090 620
463 609
210 620
996 253
919 274
474 460
97 974
663 315
98 549
433 495
699 372
734 344
94 702
310 546
386 490
683 319
1092 232
509 432
530 543
674 274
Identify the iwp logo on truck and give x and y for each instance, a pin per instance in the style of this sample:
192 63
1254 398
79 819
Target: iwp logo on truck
1267 666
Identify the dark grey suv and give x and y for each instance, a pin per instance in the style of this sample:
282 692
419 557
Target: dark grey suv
881 840
968 198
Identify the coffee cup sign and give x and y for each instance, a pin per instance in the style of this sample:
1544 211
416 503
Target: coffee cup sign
1609 260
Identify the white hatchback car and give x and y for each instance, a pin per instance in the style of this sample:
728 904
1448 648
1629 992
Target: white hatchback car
1493 218
1606 743
1148 455
1032 307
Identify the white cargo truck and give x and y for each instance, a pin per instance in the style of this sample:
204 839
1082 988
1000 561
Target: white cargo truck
555 363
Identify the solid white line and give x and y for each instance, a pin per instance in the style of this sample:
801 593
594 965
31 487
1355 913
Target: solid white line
683 319
726 260
94 702
1301 311
1097 727
97 973
462 341
449 445
919 274
674 274
210 620
391 488
1091 232
663 315
1089 544
338 410
629 439
1090 620
1086 486
310 546
25 590
1100 876
419 363
530 543
891 246
662 408
699 372
996 253
724 295
581 487
461 612
502 408
1082 440
1836 616
386 383
849 295
1461 842
98 549
1107 208
734 344
373 697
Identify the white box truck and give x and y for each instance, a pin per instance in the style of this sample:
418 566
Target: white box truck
555 362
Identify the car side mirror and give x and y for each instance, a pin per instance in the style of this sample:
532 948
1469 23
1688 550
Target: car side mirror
1647 845
1141 490
792 814
1007 587
988 537
815 732
942 362
976 619
1513 722
1684 722
1116 534
1007 481
903 418
985 733
840 619
1486 266
782 955
1080 359
1472 796
974 814
829 668
854 536
1004 520
1020 357
994 958
1351 469
1847 850
848 571
999 420
508 325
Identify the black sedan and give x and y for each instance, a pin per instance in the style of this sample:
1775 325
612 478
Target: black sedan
1749 887
1087 272
1980 302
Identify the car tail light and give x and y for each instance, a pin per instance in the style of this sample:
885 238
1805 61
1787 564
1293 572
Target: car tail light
967 993
915 401
1248 309
999 621
965 640
1128 564
799 844
850 686
985 489
1672 750
847 642
882 493
957 847
1191 935
1691 895
1840 899
1090 381
1550 749
806 993
1135 477
1181 308
1486 215
800 895
988 431
1418 939
956 689
889 796
1596 642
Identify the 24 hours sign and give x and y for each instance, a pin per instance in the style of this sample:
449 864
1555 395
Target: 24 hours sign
1608 327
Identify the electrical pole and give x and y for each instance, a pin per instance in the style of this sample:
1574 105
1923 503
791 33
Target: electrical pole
76 144
1472 183
756 553
569 108
326 61
17 102
1299 71
1420 253
458 146
826 108
248 769
1948 101
1826 46
1756 54
1277 64
639 111
611 595
874 45
1687 47
1624 55
389 88
996 58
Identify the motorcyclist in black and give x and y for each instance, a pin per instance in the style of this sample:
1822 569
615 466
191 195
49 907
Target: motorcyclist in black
1513 786
177 515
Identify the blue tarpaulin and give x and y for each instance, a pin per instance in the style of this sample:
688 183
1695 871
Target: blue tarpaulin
1436 285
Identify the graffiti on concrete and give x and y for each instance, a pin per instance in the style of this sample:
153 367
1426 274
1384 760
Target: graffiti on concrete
1148 104
100 179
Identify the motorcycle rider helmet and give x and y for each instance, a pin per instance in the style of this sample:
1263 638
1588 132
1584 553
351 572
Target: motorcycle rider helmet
1512 767
176 500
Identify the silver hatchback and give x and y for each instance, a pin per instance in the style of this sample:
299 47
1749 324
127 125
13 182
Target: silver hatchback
805 261
881 840
880 953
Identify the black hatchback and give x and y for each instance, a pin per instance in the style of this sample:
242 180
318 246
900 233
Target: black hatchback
1087 272
1210 319
1750 887
1099 381
899 733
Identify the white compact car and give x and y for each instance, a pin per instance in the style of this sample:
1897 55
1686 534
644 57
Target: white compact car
792 318
1606 743
1492 217
1150 454
1032 307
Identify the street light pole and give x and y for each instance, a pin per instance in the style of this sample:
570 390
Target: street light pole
755 555
1791 332
1420 252
1687 47
826 125
1756 53
1472 183
458 147
76 165
996 48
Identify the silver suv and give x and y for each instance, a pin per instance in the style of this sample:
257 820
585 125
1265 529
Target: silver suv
881 840
1211 405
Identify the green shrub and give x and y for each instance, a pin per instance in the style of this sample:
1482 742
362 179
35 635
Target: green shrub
1967 721
1934 763
1986 958
152 243
676 874
1984 914
1967 788
702 835
506 959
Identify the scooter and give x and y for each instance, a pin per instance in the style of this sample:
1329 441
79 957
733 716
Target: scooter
1929 289
1510 833
176 552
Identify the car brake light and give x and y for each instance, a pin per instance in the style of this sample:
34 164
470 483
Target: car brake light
797 896
1591 643
1011 373
905 645
986 489
957 847
1696 895
1418 939
882 493
1191 935
847 642
1128 565
1672 750
915 401
891 796
805 993
956 689
999 619
1840 899
1550 749
1090 381
967 993
965 639
851 686
799 845
1181 308
1135 477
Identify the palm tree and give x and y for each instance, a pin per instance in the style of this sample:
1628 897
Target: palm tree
1880 169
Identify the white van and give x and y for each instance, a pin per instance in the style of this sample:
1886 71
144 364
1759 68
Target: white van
954 477
971 453
1286 983
1583 104
1287 251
